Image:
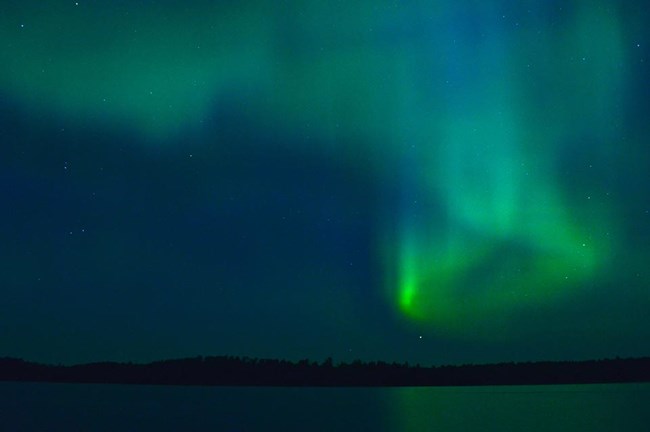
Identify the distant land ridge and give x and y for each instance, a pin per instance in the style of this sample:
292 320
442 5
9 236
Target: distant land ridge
244 371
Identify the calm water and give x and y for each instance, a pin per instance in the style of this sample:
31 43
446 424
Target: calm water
71 407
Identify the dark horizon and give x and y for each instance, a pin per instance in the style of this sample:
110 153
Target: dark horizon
431 363
243 371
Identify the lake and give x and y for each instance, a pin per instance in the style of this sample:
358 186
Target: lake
97 407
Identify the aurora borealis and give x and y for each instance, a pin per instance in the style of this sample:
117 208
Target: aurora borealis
417 181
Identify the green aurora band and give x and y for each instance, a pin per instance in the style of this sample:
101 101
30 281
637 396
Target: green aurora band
476 106
512 238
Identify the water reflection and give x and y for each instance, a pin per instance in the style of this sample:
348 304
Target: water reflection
65 407
529 408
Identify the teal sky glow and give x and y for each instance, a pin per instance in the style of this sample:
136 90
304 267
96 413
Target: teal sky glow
429 181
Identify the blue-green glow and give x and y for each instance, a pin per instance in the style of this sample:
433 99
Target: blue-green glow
310 178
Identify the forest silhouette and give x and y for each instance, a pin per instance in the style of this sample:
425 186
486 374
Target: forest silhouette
243 371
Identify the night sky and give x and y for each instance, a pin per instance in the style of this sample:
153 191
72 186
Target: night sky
433 182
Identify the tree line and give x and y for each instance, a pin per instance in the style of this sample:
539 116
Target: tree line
244 371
